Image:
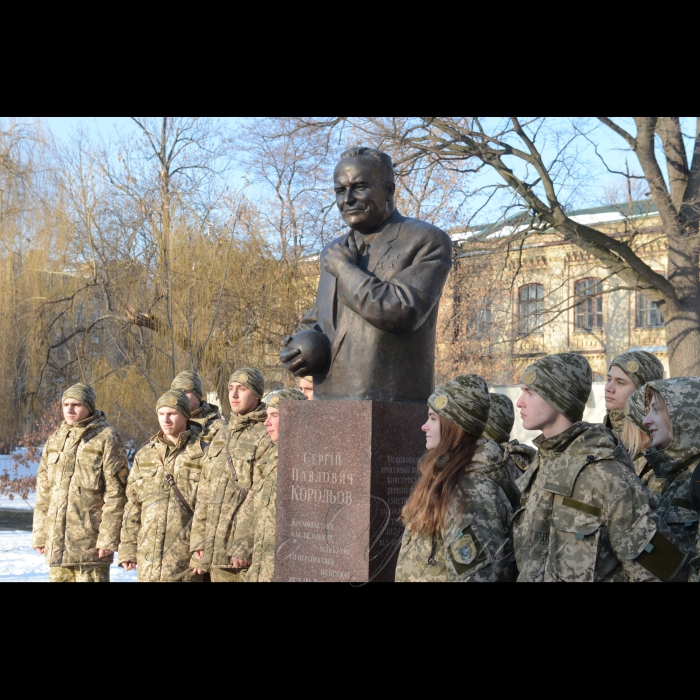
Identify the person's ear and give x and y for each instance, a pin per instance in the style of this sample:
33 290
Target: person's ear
390 190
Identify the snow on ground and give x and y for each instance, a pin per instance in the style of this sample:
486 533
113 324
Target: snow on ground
19 562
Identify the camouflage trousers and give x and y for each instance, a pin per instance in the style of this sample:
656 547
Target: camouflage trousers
228 575
79 574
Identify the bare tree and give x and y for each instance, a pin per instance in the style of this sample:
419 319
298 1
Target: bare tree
537 161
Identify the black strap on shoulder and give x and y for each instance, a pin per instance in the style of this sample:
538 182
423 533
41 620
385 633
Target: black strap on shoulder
171 480
695 488
229 461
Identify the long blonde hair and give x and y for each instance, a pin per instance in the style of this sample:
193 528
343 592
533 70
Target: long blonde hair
427 506
634 439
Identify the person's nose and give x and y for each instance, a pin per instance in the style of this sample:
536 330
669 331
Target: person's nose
424 427
647 422
610 388
349 196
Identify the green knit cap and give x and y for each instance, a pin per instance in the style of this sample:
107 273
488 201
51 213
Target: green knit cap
81 392
274 397
250 377
640 366
465 401
175 398
501 418
636 409
189 380
563 380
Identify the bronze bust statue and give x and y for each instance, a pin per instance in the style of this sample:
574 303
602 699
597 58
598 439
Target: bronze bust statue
371 332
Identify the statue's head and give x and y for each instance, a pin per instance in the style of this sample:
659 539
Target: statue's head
364 188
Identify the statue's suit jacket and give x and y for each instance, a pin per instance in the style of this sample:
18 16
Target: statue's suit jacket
381 314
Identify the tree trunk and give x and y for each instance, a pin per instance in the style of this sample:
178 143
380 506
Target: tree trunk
683 341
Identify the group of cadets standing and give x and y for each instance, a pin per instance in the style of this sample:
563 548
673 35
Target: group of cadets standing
617 501
611 502
198 503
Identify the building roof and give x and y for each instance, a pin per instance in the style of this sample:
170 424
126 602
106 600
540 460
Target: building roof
608 214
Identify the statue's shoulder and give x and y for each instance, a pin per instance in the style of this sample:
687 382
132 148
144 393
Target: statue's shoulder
426 231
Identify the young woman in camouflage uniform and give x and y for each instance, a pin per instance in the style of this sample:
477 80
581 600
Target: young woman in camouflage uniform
458 516
80 492
627 373
673 421
254 545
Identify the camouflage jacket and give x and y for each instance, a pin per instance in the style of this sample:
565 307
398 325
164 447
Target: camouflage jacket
255 531
156 528
209 420
587 517
240 445
475 543
695 495
517 457
615 421
673 467
80 493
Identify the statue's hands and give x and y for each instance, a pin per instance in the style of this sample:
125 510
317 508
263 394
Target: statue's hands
339 255
294 361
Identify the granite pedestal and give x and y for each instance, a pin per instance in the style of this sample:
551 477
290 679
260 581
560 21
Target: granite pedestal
345 471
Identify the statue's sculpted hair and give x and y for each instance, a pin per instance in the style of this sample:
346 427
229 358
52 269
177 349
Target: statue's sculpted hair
387 167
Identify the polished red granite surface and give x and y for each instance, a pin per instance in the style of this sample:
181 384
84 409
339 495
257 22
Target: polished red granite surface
345 470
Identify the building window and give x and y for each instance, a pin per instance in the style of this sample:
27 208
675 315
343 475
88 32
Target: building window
531 308
483 320
589 304
648 313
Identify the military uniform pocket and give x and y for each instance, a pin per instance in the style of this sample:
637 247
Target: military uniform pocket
574 540
266 491
90 469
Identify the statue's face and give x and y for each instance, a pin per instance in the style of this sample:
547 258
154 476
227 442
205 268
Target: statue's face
364 202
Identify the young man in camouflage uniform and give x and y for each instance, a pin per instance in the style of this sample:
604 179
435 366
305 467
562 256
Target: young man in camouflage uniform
230 471
80 492
473 543
627 373
306 386
499 427
586 516
162 492
675 453
254 545
202 414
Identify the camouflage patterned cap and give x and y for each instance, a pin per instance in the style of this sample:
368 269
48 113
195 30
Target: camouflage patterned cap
189 381
308 378
250 377
640 366
636 409
681 397
563 380
81 392
175 398
501 418
465 401
272 400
